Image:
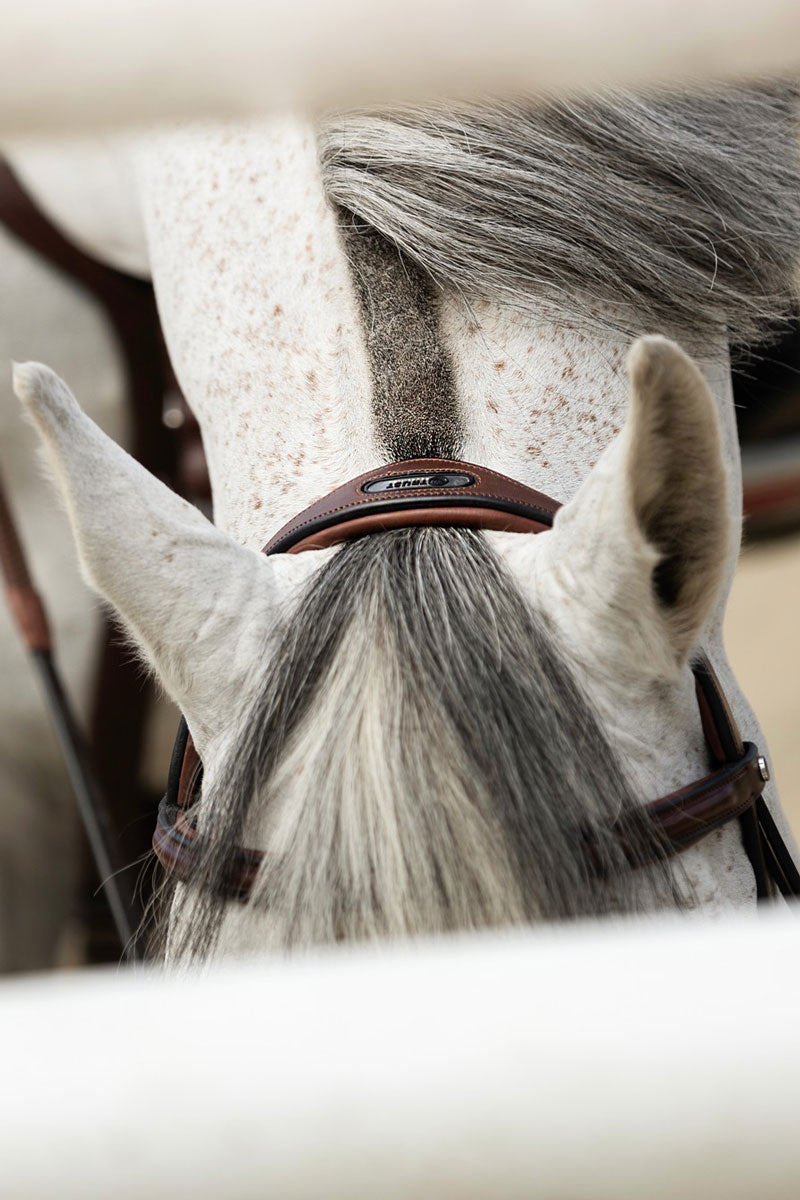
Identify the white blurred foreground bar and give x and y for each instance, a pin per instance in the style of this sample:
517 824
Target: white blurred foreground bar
99 63
651 1060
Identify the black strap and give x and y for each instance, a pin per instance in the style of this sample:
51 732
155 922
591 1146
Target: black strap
763 843
176 764
779 862
754 849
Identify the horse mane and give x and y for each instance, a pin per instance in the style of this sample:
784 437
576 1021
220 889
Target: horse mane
670 212
420 759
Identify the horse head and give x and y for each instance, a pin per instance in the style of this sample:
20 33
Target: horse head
420 727
430 729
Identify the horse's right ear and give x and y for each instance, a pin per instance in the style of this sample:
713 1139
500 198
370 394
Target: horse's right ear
198 605
645 542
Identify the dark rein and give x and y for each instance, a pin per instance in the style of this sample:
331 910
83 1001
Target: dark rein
449 492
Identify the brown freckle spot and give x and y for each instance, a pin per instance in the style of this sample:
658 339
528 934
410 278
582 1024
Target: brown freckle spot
154 533
490 404
277 310
168 557
501 365
568 373
534 451
258 503
546 463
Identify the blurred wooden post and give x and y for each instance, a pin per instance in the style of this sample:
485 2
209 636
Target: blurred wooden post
142 61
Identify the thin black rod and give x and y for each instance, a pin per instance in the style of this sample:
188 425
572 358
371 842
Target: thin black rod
30 617
90 801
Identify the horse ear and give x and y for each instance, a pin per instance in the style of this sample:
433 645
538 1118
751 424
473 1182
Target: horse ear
197 605
676 478
648 535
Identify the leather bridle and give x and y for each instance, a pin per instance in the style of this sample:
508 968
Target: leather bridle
448 492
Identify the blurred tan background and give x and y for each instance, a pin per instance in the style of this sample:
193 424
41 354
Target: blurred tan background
763 640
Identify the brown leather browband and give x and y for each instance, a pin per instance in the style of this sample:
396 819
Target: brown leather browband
421 491
433 491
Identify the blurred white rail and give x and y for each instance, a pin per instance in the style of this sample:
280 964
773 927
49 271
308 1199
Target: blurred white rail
106 62
656 1060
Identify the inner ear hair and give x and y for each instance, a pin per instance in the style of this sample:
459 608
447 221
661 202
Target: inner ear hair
677 482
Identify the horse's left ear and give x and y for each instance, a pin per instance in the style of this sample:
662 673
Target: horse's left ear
647 538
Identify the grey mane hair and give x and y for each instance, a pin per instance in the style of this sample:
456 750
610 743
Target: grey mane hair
426 762
671 212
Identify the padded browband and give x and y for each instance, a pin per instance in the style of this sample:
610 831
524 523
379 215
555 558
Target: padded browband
433 491
419 491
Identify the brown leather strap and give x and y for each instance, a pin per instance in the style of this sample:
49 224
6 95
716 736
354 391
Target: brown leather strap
719 724
682 818
191 775
689 814
725 741
419 491
23 599
446 491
